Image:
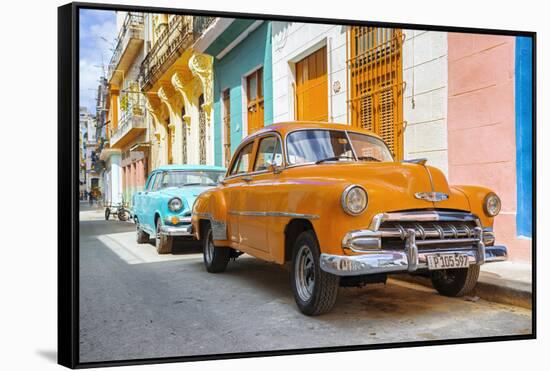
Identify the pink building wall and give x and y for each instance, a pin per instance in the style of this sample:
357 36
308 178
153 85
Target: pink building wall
481 125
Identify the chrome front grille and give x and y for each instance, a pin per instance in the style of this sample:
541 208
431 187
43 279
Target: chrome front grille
429 234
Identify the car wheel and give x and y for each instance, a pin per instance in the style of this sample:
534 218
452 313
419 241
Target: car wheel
163 243
141 236
315 290
455 282
107 214
215 258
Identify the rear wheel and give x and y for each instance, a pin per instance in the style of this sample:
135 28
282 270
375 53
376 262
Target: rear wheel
215 258
163 243
107 213
455 282
315 290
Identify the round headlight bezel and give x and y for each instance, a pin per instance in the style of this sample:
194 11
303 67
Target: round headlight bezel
491 196
344 199
171 207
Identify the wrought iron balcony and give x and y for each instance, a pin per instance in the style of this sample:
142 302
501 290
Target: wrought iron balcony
129 40
179 35
131 124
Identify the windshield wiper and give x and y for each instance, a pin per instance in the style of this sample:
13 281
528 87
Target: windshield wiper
190 184
368 158
333 158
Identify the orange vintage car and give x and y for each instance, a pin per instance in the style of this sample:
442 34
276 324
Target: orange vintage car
331 199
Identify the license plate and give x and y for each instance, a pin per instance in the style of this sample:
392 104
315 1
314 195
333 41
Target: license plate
447 261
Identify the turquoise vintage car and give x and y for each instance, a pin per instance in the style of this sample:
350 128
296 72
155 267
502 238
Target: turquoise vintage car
163 208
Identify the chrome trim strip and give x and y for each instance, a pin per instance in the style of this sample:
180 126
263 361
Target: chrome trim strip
273 213
422 216
400 261
181 219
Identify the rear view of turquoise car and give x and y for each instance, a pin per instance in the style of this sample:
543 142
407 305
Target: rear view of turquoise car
163 209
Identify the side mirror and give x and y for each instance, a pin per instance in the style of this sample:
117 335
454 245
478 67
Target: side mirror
274 168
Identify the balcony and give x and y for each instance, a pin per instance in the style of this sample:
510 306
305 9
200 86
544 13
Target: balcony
129 42
181 33
130 126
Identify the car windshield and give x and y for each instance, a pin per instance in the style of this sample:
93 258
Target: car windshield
180 178
318 145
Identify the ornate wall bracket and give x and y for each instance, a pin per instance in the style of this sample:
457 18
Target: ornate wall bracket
201 67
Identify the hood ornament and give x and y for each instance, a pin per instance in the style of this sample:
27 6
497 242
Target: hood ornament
432 196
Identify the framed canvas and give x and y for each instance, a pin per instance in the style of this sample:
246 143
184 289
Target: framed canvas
240 185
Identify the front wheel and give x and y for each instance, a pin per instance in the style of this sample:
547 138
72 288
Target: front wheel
123 215
163 243
215 258
455 282
315 290
107 213
141 236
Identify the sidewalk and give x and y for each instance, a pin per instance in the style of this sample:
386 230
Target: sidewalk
502 282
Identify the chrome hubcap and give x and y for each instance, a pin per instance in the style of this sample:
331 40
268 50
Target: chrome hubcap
304 273
209 249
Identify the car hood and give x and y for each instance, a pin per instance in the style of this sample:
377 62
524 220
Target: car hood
393 186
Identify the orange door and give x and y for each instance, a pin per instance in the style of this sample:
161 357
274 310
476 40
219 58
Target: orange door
312 87
255 100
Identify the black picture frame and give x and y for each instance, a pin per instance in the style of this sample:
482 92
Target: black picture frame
68 186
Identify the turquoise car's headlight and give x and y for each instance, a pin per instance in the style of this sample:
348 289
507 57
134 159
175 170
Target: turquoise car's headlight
175 204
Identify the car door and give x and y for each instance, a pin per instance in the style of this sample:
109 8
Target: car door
150 204
234 189
253 223
138 197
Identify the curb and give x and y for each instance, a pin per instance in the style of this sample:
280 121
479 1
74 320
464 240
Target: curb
504 292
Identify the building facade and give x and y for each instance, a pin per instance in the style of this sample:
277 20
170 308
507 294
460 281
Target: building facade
176 83
242 80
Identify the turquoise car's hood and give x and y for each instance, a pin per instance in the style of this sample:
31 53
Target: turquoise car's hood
188 194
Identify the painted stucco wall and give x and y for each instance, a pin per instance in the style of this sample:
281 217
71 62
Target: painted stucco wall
229 73
425 97
481 125
293 41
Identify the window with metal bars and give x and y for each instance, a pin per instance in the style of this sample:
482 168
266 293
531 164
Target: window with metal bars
226 126
375 73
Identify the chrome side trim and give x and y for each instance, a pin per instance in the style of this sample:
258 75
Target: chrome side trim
273 213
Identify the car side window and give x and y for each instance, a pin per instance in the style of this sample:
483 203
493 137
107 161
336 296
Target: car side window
269 153
156 184
240 165
150 182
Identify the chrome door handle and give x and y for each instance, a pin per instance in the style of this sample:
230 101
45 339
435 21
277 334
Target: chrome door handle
247 178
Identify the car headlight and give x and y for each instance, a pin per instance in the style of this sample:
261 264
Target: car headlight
175 204
354 200
491 204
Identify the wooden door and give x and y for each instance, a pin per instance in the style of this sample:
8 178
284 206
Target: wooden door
226 127
376 83
312 87
255 100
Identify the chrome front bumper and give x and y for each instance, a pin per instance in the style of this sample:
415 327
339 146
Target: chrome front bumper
185 230
386 261
369 256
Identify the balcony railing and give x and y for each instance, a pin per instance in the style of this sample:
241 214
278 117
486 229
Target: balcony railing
132 118
132 28
181 33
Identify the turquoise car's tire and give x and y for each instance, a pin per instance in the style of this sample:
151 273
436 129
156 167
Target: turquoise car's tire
215 258
163 243
315 290
455 282
141 236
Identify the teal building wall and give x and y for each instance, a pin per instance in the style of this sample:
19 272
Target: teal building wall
252 52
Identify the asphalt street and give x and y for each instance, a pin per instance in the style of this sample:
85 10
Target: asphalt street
137 304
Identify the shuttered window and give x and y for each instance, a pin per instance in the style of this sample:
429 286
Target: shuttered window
376 83
226 126
311 87
255 100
